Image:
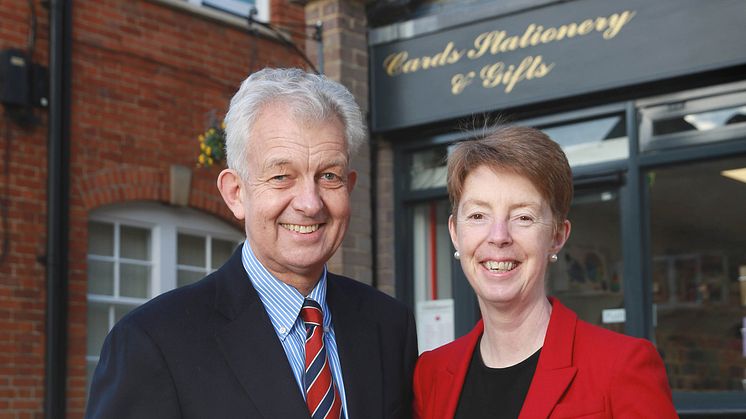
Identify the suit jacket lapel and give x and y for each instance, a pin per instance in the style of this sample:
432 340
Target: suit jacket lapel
251 347
555 370
358 345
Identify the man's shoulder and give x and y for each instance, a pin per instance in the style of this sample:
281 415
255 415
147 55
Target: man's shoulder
177 305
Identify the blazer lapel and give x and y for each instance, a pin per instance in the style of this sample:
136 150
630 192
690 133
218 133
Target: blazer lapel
555 370
451 379
251 347
358 345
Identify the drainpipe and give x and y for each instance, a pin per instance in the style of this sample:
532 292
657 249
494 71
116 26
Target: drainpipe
58 193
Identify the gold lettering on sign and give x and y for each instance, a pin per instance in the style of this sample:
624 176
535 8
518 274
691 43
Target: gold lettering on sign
460 81
400 62
499 73
499 41
496 42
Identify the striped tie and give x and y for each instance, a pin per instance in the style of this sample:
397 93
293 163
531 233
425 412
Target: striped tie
322 396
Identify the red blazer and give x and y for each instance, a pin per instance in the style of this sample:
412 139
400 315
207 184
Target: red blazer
583 371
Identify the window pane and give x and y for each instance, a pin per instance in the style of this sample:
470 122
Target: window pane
429 168
239 7
98 327
100 277
120 311
100 239
221 251
134 280
135 243
188 277
698 245
191 250
702 121
595 141
432 251
588 274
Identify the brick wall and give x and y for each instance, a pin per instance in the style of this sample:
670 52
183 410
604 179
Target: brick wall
346 60
386 256
23 215
146 75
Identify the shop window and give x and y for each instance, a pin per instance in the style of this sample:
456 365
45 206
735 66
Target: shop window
433 256
428 169
692 118
701 121
698 253
588 275
137 251
592 141
239 7
432 251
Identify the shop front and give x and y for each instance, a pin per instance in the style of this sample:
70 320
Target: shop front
648 100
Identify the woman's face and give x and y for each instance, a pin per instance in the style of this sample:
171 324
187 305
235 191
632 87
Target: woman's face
505 234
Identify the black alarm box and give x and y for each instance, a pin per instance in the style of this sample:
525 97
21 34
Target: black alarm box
14 78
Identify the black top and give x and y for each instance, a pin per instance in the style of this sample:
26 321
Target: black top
495 392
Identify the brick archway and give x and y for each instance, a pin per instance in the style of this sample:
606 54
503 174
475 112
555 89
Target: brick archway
137 183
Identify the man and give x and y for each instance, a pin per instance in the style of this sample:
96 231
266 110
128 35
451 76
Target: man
271 334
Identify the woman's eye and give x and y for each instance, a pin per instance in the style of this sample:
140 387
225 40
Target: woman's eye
524 219
476 216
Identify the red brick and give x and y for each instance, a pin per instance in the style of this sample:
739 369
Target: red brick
144 78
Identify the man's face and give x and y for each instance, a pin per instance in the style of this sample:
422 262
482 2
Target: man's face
296 196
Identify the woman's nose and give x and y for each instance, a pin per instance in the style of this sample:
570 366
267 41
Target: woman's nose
499 233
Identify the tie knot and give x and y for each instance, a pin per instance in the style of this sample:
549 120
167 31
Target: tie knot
311 312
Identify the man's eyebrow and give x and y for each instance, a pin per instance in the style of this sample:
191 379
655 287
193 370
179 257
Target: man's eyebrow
336 163
275 163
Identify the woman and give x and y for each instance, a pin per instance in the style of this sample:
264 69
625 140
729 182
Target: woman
529 356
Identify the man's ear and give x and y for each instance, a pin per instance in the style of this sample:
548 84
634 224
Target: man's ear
351 180
231 189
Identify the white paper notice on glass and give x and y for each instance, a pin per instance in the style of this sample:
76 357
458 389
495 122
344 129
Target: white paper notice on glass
435 325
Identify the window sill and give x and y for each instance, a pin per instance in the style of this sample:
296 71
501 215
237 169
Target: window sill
216 16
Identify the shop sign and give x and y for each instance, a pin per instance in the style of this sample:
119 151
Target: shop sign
550 53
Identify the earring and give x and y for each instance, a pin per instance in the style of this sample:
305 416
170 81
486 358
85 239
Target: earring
553 258
457 255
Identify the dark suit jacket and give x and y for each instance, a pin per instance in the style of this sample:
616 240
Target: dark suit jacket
584 371
208 350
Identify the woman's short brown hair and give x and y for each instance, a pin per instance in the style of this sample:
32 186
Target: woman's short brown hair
524 151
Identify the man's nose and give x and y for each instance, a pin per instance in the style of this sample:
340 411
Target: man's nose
308 199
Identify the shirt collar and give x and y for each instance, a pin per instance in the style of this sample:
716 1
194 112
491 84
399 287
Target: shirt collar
281 301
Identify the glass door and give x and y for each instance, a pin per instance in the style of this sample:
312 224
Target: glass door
699 273
588 276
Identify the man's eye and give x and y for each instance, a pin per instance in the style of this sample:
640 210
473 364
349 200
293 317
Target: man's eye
330 176
279 178
476 216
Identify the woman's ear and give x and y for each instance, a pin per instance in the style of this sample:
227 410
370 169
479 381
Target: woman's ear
562 233
452 231
230 187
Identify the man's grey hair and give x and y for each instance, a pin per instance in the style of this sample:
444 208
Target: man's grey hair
311 97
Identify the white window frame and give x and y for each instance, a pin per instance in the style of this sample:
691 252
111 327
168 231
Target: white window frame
237 7
165 223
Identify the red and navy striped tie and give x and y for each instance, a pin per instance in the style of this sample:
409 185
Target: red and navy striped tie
322 396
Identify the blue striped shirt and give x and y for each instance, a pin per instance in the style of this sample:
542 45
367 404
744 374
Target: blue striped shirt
283 304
